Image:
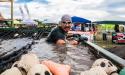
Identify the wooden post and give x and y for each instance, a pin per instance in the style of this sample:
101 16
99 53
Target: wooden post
11 13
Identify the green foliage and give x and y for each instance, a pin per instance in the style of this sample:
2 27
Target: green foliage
107 26
40 23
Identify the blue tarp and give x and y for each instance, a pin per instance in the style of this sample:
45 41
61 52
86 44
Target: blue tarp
76 19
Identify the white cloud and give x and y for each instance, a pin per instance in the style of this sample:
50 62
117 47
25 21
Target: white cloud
56 8
120 10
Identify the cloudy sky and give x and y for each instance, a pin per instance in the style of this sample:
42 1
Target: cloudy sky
52 10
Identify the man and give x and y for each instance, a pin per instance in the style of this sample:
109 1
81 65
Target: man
58 34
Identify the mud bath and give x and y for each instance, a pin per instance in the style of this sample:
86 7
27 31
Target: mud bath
79 58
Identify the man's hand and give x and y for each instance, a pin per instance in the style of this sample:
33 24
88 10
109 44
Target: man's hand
73 42
61 42
69 34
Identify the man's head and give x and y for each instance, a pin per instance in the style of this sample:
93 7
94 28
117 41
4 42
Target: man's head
66 22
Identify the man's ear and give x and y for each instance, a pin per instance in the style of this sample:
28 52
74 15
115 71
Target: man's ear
59 23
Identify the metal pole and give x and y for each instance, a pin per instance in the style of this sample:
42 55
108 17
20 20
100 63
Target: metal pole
11 13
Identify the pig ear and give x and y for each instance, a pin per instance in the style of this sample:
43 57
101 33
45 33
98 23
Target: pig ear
102 64
47 73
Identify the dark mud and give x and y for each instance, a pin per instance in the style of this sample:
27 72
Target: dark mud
11 50
119 51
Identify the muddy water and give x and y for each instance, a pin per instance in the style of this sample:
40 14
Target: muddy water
79 58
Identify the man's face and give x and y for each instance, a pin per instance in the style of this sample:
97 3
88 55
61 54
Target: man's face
66 25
